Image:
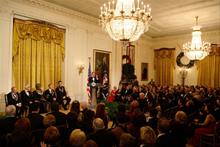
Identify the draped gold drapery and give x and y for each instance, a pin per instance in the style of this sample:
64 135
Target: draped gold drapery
38 53
209 68
164 65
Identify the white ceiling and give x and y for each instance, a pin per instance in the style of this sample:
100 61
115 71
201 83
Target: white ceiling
170 17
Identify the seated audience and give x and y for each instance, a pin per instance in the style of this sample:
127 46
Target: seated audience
21 136
208 126
87 121
49 120
142 102
73 116
35 118
127 140
164 138
180 129
90 143
148 137
7 124
77 138
62 98
103 137
51 137
101 113
60 117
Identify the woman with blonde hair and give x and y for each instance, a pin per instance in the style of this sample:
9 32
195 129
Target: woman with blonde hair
148 137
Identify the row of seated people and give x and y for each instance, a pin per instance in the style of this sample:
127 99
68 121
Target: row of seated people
26 98
133 127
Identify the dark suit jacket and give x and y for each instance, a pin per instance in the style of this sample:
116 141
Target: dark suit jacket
36 121
104 138
12 100
60 118
165 141
37 96
91 80
26 98
49 95
7 125
60 92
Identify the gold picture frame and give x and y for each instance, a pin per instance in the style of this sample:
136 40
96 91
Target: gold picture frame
144 71
102 64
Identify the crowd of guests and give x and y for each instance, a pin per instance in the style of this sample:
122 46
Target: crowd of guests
147 116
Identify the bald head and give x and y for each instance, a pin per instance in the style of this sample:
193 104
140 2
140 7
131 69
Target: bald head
10 110
83 105
98 124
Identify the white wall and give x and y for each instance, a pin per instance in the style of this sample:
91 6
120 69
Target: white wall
177 42
83 34
144 54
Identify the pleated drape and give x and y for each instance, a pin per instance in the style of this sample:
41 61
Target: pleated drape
164 66
38 53
209 68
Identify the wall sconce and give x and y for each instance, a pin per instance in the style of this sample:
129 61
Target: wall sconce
80 68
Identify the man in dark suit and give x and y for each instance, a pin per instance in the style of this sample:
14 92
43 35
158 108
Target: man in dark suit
164 138
60 117
103 137
93 83
7 124
93 79
13 98
35 118
62 96
50 94
26 98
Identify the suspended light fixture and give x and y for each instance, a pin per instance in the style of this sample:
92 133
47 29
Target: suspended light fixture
196 49
125 20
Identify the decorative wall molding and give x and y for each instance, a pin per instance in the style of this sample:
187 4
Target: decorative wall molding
59 9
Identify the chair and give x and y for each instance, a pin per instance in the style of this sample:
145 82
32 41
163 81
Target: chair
6 100
211 140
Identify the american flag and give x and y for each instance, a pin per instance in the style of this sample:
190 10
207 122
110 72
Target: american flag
88 84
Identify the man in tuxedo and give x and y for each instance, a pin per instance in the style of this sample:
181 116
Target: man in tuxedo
93 81
62 96
13 98
38 97
50 94
26 98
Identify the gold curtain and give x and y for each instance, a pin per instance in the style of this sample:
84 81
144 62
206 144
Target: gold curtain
38 53
209 68
164 66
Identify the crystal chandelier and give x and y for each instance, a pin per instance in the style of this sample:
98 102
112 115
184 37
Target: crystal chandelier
125 20
196 50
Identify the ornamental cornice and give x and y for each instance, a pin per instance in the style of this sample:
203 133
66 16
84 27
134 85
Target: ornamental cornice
60 9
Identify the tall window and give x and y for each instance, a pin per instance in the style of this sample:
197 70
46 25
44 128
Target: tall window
38 53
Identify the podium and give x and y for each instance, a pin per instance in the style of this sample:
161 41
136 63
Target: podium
94 88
